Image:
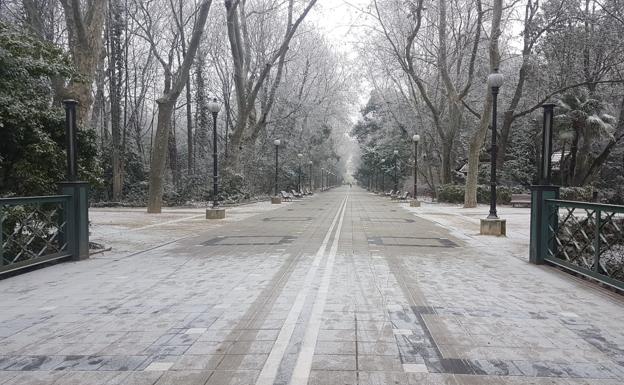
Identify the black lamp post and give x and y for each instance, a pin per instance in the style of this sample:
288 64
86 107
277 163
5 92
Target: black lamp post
494 81
416 139
214 106
396 181
310 163
545 170
71 139
322 179
383 174
299 187
277 143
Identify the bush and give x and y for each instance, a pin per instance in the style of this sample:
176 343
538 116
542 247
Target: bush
452 193
582 194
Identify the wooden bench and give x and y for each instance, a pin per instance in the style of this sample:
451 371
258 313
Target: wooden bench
520 200
296 194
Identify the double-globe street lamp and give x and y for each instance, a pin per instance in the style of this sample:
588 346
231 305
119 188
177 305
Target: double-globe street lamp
310 163
396 181
492 225
300 156
383 174
214 106
276 199
415 202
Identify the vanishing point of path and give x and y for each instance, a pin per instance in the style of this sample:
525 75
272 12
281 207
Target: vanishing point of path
340 288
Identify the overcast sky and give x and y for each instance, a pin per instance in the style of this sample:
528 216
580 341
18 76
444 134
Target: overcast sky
339 20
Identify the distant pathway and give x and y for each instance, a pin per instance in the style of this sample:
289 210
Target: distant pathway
340 288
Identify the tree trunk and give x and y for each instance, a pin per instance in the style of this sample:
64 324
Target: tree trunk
166 106
159 155
85 44
474 150
447 150
476 142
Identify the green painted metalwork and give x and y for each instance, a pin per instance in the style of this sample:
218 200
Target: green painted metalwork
33 230
587 238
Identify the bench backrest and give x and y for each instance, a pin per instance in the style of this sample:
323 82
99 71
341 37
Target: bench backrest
520 197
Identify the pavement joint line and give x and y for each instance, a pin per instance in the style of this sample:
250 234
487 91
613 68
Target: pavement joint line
303 366
271 366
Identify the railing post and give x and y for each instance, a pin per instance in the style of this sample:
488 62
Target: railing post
598 214
540 217
1 235
77 228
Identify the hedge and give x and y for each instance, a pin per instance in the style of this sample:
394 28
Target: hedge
453 193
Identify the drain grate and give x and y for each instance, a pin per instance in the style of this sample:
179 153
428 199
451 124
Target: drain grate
390 220
250 240
287 219
411 242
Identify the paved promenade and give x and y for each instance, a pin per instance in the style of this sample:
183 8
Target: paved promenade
340 288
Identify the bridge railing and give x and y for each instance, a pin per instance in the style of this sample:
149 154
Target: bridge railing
34 230
582 237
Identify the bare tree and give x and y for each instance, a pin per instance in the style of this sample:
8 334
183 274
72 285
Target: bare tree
174 83
249 81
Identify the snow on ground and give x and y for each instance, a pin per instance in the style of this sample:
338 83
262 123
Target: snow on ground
131 230
465 224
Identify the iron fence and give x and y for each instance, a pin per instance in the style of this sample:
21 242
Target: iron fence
587 238
33 230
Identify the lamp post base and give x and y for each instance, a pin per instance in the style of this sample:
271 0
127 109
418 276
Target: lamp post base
217 213
415 203
276 200
496 227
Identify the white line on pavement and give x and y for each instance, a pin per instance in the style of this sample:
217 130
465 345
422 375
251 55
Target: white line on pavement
271 366
301 373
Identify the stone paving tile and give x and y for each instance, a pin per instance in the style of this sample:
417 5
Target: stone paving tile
238 377
187 377
333 362
323 377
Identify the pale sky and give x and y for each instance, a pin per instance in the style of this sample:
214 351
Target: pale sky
339 20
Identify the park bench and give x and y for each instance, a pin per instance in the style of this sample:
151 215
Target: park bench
520 200
389 194
307 192
296 194
286 196
403 197
395 195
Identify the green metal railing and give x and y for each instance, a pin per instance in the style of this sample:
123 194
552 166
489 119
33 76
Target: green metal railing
34 230
587 238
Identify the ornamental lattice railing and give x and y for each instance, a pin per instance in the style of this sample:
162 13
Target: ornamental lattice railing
587 238
33 230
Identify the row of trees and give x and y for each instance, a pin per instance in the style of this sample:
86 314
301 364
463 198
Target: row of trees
142 72
428 70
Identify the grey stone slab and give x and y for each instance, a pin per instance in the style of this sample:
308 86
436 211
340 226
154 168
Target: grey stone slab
186 377
378 348
379 363
333 362
197 362
323 377
331 347
209 347
242 362
238 377
122 363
